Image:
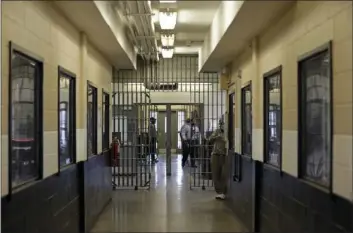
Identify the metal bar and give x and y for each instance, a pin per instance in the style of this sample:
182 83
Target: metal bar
119 130
135 147
143 125
169 139
204 148
139 156
114 162
200 151
123 154
208 121
130 121
139 148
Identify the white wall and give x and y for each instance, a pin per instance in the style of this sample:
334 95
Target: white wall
41 29
304 27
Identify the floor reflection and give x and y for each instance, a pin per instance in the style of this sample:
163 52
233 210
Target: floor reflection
169 206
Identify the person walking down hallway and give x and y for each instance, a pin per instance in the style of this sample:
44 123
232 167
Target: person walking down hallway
153 139
194 143
219 161
185 135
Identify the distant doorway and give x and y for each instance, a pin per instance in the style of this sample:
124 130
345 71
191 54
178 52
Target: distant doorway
177 120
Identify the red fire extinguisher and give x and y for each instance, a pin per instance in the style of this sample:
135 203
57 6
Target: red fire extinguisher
116 151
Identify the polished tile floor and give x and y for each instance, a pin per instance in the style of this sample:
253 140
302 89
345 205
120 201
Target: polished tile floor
169 206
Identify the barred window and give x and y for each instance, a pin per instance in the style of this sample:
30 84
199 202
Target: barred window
246 120
25 116
91 120
273 117
67 119
106 121
315 127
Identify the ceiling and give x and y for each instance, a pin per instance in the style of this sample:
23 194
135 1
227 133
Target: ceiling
251 19
86 16
215 30
193 22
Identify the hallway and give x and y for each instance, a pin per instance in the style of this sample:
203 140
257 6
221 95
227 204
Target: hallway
90 85
170 206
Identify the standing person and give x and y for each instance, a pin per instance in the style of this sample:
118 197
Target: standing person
152 134
116 151
185 135
194 143
219 161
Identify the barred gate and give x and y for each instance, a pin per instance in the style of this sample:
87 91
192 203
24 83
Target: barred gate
174 81
131 113
206 115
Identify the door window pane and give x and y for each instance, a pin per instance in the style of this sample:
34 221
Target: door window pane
91 121
246 120
273 113
24 114
106 121
66 119
315 131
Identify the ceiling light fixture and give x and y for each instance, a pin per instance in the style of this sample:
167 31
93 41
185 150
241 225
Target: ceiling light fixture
167 40
167 20
167 1
167 53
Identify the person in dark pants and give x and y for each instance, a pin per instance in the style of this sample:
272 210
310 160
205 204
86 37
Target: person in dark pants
153 139
185 135
194 143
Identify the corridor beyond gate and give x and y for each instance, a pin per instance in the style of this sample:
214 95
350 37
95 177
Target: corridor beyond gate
169 206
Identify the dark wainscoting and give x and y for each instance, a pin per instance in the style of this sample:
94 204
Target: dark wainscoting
288 204
240 194
67 202
49 205
268 200
97 188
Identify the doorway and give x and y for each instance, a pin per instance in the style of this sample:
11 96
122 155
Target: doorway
162 131
170 119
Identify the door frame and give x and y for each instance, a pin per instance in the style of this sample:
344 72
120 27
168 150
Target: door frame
168 143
